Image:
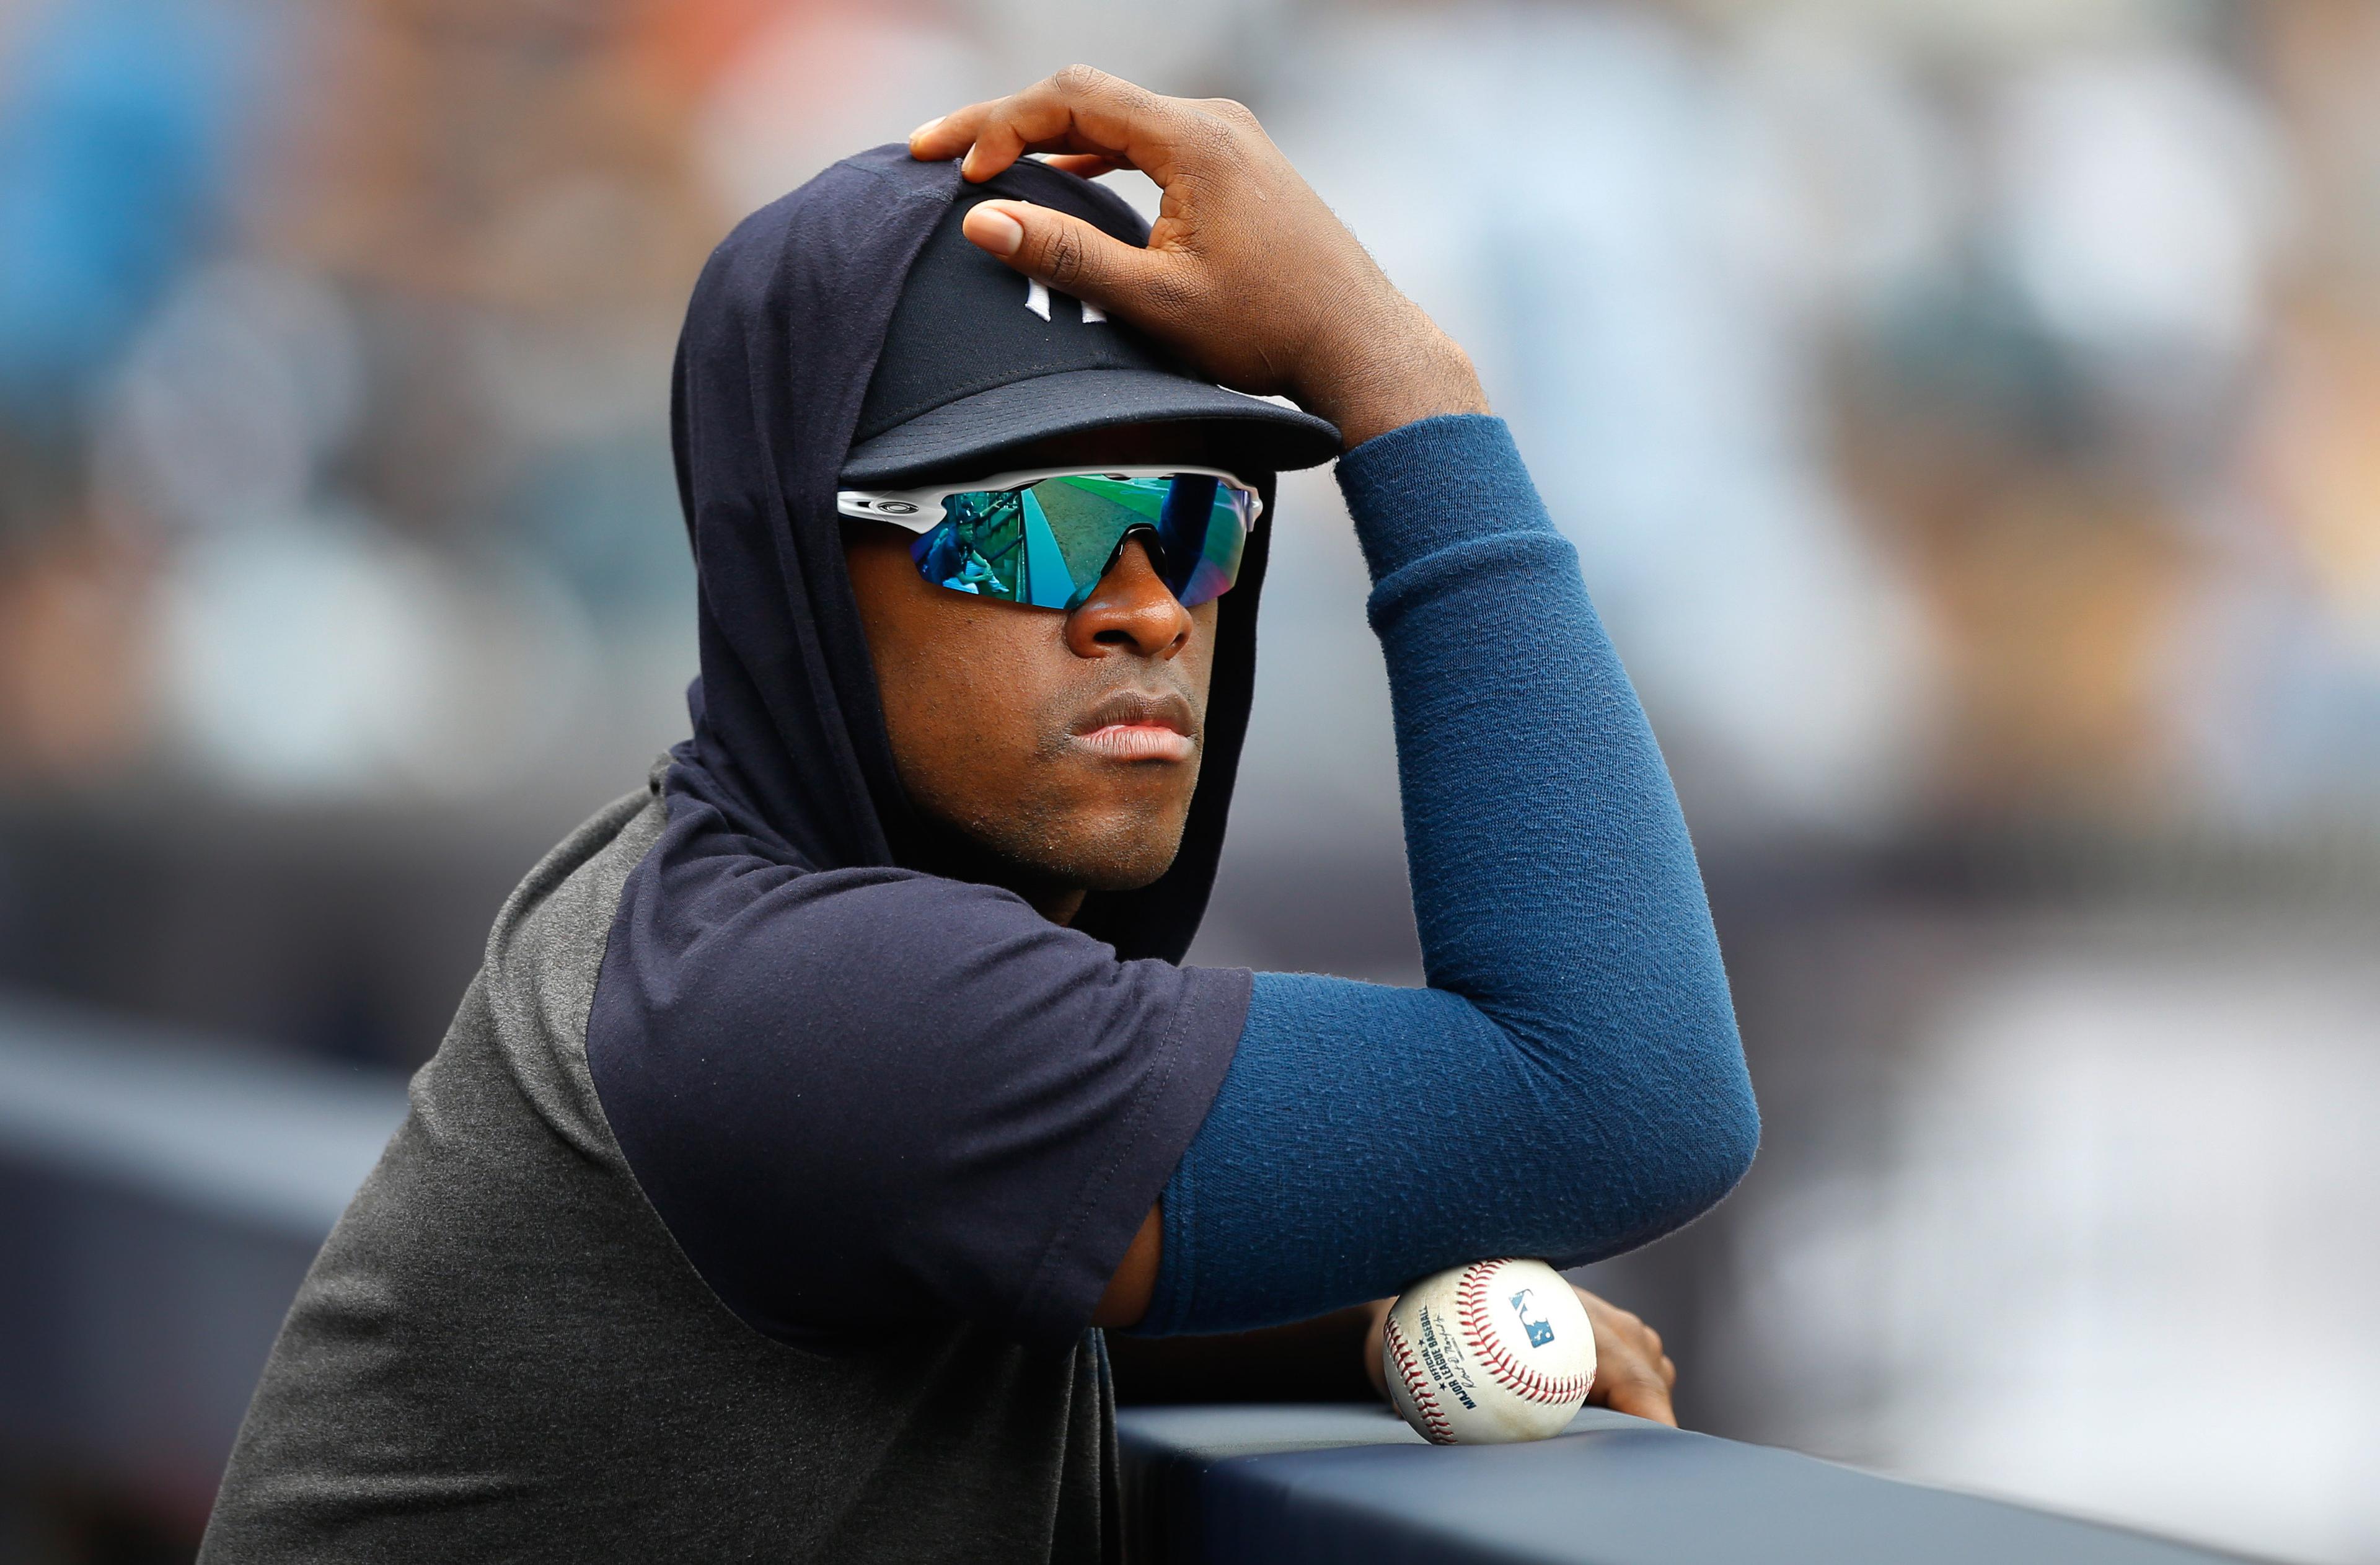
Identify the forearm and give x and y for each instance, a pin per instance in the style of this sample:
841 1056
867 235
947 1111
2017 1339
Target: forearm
1552 867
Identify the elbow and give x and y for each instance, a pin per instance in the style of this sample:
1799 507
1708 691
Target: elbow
1666 1180
1706 1148
1706 1125
1716 1127
1689 1144
1726 1149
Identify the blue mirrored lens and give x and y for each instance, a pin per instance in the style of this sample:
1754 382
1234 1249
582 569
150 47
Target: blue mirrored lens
1048 545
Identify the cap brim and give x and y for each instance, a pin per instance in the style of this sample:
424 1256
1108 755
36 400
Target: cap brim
1071 402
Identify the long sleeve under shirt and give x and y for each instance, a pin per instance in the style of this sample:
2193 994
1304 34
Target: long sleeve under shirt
868 1095
1570 1084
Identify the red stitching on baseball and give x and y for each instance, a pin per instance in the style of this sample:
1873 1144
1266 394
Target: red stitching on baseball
1471 1300
1439 1432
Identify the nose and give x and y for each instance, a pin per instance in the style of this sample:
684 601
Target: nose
1130 611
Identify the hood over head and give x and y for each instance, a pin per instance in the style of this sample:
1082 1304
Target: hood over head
781 342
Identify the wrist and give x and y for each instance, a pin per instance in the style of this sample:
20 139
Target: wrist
1437 486
1387 374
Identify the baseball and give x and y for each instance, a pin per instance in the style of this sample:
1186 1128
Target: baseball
1488 1352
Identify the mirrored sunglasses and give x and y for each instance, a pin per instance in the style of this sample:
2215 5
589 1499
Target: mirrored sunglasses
1045 537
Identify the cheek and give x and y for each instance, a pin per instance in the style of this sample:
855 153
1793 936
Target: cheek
964 683
928 652
1198 656
965 699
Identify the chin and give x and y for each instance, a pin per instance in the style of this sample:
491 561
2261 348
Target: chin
1110 847
1122 856
1128 871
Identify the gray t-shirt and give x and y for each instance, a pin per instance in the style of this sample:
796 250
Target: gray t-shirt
501 1355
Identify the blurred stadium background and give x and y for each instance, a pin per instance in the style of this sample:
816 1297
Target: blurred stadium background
1968 410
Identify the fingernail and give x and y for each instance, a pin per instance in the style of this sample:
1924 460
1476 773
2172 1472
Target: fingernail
993 229
938 120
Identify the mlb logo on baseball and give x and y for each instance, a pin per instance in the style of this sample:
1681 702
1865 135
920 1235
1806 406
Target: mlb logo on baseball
1540 1333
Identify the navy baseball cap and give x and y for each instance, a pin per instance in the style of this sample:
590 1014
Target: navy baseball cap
978 359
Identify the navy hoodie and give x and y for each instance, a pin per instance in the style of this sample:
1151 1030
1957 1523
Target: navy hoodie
850 1331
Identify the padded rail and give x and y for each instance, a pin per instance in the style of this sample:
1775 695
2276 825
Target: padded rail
161 1196
1306 1486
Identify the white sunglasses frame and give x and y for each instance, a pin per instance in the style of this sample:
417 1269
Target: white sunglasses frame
920 510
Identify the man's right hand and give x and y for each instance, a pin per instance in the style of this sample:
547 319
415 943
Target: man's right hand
1246 273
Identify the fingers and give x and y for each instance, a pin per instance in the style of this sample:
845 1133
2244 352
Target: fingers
1069 254
1043 117
1650 1346
1637 1391
1085 165
1632 1372
1078 111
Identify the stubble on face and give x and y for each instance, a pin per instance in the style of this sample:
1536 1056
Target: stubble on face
985 702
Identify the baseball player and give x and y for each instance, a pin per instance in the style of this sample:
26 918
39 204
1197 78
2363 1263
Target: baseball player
821 1100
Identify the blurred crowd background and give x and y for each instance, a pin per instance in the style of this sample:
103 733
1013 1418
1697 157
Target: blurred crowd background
1968 412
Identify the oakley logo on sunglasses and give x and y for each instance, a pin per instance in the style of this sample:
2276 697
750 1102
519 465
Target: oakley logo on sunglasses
1036 299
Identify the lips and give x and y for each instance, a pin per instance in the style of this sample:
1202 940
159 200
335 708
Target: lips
1132 725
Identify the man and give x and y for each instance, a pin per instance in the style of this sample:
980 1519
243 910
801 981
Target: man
816 1102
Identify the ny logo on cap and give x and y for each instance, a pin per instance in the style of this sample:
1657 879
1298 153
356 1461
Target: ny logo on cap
1036 299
